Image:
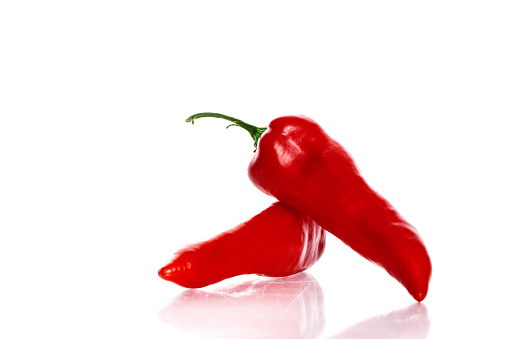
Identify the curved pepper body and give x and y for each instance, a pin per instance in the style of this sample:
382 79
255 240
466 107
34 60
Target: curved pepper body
279 241
299 164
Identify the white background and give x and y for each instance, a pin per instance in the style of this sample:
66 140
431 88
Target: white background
101 180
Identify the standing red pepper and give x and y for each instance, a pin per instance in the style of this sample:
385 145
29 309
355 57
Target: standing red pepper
299 164
279 241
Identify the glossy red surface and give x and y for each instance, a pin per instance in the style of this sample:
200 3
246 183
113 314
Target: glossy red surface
298 163
279 241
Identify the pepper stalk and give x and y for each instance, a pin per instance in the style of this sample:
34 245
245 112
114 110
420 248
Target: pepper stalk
254 131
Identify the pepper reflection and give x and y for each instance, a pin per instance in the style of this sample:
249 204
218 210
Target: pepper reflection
286 307
411 322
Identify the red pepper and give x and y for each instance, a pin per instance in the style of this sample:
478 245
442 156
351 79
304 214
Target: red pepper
279 241
299 164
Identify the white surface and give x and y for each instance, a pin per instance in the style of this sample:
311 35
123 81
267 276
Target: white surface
101 180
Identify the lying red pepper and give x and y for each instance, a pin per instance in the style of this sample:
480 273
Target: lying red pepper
299 164
279 241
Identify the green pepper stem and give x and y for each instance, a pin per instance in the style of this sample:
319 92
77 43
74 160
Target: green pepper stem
254 131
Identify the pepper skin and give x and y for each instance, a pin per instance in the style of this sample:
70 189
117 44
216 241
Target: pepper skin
299 164
279 241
